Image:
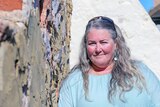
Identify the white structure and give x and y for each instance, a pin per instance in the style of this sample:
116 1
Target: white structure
140 32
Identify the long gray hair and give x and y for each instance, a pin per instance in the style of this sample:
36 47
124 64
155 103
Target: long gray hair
125 75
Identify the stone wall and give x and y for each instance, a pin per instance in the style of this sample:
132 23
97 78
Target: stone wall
156 2
34 51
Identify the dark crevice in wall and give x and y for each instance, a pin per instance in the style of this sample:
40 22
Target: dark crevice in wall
8 35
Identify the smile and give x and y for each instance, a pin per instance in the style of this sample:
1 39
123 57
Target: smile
99 55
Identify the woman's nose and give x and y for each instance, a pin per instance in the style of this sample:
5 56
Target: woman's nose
98 47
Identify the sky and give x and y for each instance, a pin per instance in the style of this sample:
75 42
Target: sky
147 4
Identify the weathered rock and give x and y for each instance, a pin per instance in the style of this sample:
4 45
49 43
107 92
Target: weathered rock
34 53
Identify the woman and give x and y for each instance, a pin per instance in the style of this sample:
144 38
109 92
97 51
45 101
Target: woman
106 76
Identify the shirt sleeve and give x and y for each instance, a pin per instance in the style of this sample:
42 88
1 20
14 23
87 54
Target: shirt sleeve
65 97
153 86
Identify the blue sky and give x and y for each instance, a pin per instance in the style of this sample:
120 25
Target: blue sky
147 4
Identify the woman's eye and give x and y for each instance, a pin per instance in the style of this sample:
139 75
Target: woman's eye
104 42
92 43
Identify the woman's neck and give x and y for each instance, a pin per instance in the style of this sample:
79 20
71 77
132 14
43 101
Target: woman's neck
101 71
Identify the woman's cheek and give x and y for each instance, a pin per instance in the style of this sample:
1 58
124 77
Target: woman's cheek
90 50
108 48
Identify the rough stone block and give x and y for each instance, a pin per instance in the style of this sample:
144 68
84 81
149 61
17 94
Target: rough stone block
9 5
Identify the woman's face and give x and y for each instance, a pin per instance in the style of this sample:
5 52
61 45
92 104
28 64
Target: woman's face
100 47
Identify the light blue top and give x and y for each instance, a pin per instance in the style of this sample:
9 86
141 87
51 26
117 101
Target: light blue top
72 93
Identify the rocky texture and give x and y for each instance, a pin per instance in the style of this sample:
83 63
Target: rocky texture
8 5
34 52
55 29
156 3
140 32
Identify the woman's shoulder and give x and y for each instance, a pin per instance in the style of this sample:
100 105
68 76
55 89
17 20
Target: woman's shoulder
145 70
73 78
140 65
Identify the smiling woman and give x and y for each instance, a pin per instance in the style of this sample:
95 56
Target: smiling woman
106 69
100 48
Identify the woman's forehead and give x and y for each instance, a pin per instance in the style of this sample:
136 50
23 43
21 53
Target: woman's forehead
98 33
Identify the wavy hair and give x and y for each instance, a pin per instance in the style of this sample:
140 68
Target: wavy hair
125 74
